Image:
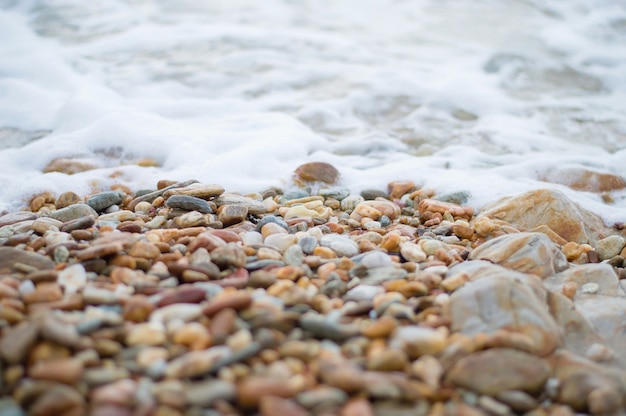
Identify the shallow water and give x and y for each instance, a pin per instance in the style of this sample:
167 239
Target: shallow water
489 96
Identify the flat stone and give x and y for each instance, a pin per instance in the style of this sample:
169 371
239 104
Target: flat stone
197 190
78 224
9 256
272 405
16 342
610 247
317 171
103 200
196 363
66 199
418 341
63 370
206 393
499 369
524 252
16 217
551 208
254 206
73 212
189 203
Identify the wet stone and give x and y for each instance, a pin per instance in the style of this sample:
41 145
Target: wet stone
16 217
189 203
9 256
66 199
103 200
317 171
497 370
73 212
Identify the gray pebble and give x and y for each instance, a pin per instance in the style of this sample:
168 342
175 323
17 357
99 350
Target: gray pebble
295 194
294 255
73 212
459 198
189 203
385 221
308 244
104 200
371 194
335 192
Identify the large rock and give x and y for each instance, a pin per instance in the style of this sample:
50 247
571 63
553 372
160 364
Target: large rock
499 369
525 252
551 208
498 299
601 274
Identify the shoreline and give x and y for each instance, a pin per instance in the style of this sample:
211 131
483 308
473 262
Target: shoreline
188 300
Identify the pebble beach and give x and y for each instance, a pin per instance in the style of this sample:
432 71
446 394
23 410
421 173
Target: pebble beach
186 299
355 208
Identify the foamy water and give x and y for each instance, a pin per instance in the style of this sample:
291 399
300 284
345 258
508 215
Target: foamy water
482 96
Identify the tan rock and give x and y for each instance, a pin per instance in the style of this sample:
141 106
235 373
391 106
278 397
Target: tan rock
428 207
524 252
396 189
316 171
68 166
584 179
498 369
550 208
496 299
58 399
64 370
273 405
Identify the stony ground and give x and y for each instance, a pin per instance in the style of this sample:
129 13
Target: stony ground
187 300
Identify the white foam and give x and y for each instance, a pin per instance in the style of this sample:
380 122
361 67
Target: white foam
483 96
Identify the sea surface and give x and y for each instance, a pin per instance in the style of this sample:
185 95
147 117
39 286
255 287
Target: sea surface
492 97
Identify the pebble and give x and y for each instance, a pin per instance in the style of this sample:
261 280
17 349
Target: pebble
10 256
232 214
610 247
73 212
206 393
189 203
317 172
103 200
252 390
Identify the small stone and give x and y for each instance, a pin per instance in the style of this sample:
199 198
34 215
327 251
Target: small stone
380 328
387 360
207 393
121 392
280 241
238 300
73 278
412 252
16 217
78 224
189 203
9 256
272 405
144 250
43 224
497 370
138 308
610 247
103 200
250 391
197 190
308 244
73 212
254 206
146 334
16 342
230 255
317 172
196 363
58 399
232 214
64 370
418 341
66 199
